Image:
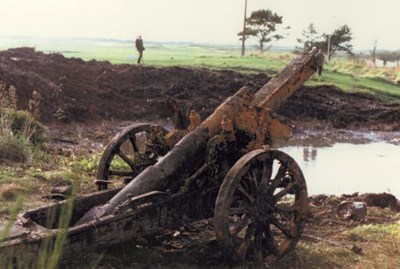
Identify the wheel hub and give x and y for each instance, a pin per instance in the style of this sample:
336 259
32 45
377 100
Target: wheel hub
264 208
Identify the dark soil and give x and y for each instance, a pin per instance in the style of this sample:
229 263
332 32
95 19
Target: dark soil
340 110
95 91
194 245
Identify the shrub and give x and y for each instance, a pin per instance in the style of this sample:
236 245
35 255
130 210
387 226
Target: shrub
25 125
14 148
8 96
19 131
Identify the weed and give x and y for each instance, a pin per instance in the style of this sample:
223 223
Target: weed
14 148
12 95
61 115
8 97
25 125
320 256
19 131
374 231
34 103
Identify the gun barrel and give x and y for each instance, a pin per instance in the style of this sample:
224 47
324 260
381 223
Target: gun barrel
184 158
285 83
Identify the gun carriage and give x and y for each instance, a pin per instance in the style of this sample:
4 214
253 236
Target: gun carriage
224 168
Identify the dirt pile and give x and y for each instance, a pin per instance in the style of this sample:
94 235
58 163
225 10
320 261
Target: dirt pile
77 90
342 110
99 90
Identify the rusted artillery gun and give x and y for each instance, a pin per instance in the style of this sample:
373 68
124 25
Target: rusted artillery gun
222 168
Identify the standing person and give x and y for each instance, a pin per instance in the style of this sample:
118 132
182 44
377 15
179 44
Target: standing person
320 59
313 51
139 47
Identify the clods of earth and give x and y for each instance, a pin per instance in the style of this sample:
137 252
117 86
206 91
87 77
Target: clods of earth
90 101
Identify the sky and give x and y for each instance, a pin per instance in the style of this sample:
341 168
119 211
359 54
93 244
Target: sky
202 21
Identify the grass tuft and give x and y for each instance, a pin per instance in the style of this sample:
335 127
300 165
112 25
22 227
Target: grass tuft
14 148
10 192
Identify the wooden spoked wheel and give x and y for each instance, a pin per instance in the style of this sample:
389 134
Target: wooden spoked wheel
130 152
261 207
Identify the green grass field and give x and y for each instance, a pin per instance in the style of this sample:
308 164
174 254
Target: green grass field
349 75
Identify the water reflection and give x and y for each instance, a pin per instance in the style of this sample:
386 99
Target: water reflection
348 168
309 154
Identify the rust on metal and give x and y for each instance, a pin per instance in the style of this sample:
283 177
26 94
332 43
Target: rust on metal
223 163
194 119
228 130
285 83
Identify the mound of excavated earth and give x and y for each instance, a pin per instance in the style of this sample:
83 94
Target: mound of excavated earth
75 90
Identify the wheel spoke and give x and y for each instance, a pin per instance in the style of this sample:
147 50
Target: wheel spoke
253 181
125 146
244 245
258 247
271 244
286 180
285 191
126 159
277 179
252 217
281 173
239 225
238 210
246 194
280 226
284 208
266 174
132 139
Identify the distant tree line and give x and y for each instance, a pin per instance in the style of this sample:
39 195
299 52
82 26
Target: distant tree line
338 40
384 55
267 26
388 56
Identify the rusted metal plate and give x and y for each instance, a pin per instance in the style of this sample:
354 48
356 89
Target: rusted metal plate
13 230
155 213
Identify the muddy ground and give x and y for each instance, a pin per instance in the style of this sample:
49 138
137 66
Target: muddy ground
95 91
95 99
193 246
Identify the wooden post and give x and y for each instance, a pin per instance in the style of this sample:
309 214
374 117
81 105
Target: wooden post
244 28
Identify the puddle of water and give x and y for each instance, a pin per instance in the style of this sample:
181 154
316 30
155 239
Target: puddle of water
347 168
